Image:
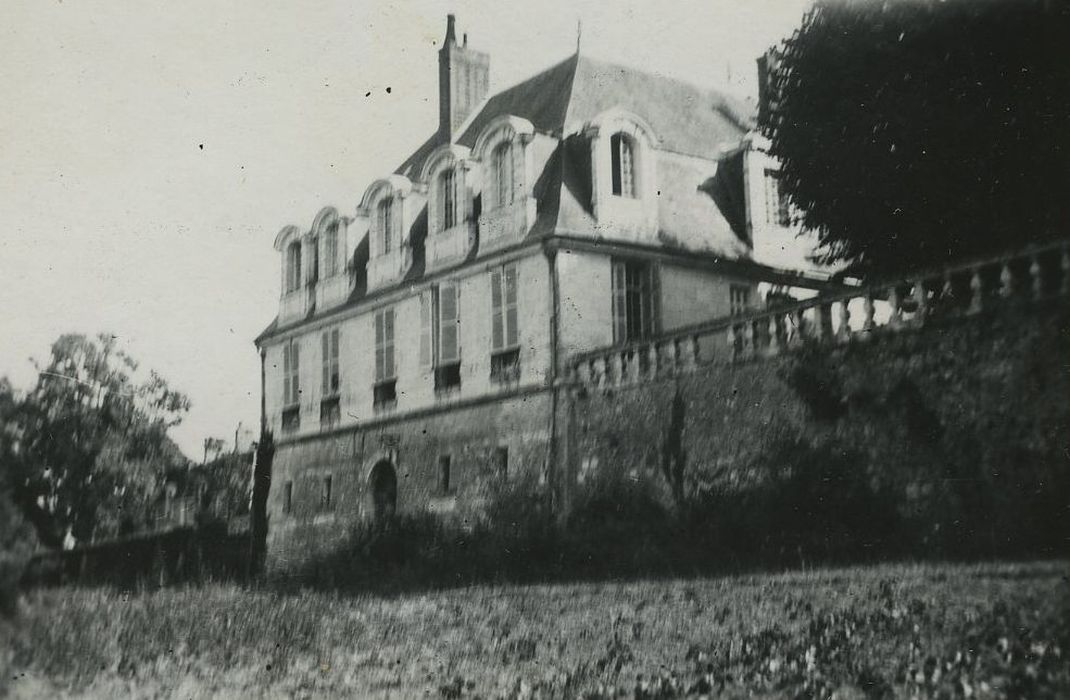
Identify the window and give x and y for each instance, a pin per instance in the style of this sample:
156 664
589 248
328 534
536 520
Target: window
330 251
288 497
447 200
501 462
777 209
384 223
293 266
633 304
440 324
505 353
444 466
384 394
503 298
325 492
623 155
291 387
502 162
330 412
738 299
331 379
314 272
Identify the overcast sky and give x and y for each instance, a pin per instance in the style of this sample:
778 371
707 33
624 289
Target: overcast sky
150 150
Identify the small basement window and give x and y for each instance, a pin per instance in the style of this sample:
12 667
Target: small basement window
325 492
444 468
501 462
385 395
448 378
505 366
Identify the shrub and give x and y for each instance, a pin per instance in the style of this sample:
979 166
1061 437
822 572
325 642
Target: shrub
16 544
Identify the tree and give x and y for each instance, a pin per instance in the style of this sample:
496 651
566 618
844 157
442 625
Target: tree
915 133
86 447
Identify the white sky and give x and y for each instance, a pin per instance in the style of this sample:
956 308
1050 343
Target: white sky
116 219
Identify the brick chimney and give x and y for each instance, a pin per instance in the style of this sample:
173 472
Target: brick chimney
463 78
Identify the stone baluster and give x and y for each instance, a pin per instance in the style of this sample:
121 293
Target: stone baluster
896 317
696 352
687 351
668 351
977 292
921 299
798 333
1064 267
652 356
730 337
947 293
1006 281
598 369
749 339
774 339
819 321
635 372
868 323
844 331
1036 274
580 372
616 368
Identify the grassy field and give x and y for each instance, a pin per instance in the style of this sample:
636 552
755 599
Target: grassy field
988 630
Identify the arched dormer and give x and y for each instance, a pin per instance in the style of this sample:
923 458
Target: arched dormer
508 202
450 181
328 232
387 208
328 237
623 172
288 243
293 299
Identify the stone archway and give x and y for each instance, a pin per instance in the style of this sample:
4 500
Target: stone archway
383 486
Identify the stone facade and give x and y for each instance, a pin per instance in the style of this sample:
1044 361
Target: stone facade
429 330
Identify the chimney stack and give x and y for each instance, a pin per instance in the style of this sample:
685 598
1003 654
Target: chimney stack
463 79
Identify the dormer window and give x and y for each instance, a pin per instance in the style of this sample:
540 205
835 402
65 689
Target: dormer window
314 268
384 223
502 167
623 164
330 251
293 266
447 199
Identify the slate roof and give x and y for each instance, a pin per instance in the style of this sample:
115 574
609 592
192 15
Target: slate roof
687 119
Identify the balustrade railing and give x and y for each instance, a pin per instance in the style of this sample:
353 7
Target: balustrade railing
1033 274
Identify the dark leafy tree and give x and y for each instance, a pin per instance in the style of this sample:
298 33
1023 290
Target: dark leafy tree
918 132
85 449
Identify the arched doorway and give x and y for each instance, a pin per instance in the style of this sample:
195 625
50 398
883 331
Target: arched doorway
384 490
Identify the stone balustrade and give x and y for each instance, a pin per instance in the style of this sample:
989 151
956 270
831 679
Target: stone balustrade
1030 275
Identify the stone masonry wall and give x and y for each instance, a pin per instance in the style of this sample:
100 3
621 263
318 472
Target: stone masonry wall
977 404
473 437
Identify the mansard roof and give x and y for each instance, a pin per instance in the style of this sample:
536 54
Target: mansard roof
686 118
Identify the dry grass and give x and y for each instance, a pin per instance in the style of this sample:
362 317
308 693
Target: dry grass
991 630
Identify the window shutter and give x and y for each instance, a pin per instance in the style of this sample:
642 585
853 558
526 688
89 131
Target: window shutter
511 335
426 330
620 306
497 332
449 323
615 147
388 338
653 300
379 365
336 381
434 206
326 337
516 160
286 399
295 376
